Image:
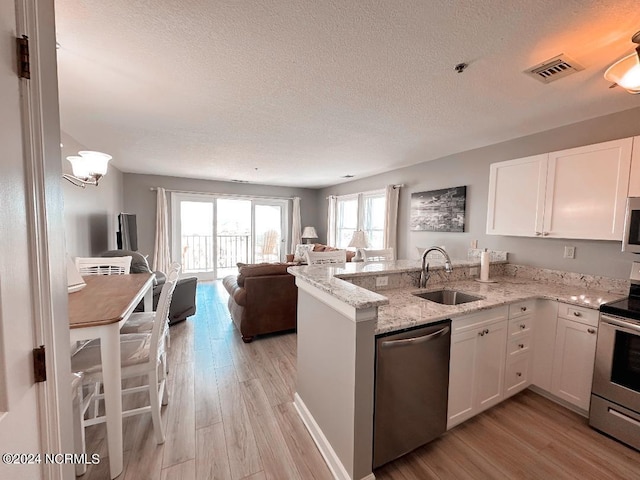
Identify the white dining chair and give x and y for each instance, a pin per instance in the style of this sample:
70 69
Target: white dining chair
103 265
141 355
321 258
379 255
142 322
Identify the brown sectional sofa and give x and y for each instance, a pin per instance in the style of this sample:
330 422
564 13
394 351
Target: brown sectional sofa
263 298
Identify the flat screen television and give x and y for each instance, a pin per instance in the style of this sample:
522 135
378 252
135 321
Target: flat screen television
127 236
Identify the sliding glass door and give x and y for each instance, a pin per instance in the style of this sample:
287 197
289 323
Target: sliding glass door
212 234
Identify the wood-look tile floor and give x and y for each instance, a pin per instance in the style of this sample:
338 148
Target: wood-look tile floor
230 416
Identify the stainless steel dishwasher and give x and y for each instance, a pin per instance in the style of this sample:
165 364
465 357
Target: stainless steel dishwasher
411 390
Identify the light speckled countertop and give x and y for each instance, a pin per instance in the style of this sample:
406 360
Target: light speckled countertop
399 309
405 310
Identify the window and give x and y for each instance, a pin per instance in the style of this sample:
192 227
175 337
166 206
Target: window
361 211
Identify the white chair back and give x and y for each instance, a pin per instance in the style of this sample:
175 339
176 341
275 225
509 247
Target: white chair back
161 320
320 258
103 265
379 255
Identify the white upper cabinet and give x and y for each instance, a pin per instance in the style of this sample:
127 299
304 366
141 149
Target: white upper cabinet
634 178
587 191
516 196
575 193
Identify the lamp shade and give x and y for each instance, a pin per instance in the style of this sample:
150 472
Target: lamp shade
89 164
626 73
309 232
359 239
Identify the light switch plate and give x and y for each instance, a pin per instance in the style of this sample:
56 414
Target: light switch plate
382 281
569 252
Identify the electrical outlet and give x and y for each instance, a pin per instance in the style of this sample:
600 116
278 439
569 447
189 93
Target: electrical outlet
382 281
474 243
569 252
473 271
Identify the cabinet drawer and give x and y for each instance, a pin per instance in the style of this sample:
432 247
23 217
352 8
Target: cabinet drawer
477 320
521 308
578 314
520 326
517 375
519 346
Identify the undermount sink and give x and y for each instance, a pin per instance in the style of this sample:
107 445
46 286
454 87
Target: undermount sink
448 297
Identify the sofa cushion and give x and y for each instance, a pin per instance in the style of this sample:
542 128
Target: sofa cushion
139 263
301 249
261 269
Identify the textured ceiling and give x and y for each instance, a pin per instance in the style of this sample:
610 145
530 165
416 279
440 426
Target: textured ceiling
299 93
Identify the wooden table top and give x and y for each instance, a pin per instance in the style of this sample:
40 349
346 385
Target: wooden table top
107 298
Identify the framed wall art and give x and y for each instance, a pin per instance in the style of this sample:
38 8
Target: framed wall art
438 210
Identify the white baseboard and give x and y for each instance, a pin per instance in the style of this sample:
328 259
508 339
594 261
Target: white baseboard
326 450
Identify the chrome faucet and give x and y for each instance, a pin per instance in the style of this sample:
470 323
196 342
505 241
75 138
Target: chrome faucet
424 273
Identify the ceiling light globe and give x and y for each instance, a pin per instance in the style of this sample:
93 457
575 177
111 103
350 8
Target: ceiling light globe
626 73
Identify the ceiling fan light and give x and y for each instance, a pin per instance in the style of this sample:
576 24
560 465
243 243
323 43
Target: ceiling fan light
626 73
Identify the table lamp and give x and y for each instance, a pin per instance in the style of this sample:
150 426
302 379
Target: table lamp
308 234
359 240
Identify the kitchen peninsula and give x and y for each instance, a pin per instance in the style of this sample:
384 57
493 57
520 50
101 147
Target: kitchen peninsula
338 321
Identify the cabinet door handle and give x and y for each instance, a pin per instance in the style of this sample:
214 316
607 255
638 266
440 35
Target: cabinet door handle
577 314
523 309
481 333
519 374
591 330
538 234
523 326
521 345
544 234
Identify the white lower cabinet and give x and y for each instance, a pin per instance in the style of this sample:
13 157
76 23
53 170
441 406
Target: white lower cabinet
575 350
519 347
477 365
497 353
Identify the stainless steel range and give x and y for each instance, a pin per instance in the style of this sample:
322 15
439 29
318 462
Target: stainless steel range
615 395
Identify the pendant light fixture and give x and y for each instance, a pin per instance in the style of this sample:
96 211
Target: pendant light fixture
626 71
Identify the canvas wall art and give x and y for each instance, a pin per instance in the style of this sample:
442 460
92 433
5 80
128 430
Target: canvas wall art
438 210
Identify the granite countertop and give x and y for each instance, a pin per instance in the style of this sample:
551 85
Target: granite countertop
399 309
329 278
405 310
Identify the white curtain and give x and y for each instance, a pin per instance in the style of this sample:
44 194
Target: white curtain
161 254
331 221
296 227
392 196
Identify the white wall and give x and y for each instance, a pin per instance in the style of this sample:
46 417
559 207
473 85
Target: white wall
139 199
471 168
90 213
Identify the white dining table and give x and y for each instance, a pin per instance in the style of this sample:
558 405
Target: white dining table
98 311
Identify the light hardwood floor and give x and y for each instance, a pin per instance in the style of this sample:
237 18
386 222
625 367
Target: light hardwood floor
230 416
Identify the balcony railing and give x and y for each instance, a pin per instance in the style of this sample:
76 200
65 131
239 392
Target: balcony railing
197 252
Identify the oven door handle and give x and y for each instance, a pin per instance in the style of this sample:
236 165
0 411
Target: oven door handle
628 326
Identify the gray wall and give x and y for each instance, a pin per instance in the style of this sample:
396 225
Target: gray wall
139 199
90 212
471 168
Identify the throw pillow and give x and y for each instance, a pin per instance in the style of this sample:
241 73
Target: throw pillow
301 249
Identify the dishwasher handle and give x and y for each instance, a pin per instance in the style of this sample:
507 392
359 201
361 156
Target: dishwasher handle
414 340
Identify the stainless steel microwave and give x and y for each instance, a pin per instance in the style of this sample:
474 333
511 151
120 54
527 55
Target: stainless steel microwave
631 238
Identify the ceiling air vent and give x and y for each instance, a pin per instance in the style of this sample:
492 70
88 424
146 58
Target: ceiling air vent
554 68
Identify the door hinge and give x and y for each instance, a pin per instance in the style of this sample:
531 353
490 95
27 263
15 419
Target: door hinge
24 67
39 364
